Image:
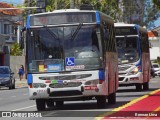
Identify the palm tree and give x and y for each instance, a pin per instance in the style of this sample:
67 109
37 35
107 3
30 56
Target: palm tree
15 50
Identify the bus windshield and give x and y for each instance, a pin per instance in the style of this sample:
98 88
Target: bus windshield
67 48
127 49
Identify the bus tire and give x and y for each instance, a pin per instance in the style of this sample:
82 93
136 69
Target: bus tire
146 86
101 101
112 98
50 103
59 103
138 87
40 103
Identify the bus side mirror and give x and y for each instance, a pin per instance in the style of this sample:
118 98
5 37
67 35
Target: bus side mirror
21 42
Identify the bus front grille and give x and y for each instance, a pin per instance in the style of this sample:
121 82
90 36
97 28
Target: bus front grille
64 85
121 78
65 93
65 77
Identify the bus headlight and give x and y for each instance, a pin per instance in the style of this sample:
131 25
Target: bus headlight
134 70
39 85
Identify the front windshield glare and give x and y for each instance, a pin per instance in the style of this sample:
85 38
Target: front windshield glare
127 49
54 48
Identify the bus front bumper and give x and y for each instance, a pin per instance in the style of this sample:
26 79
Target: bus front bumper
130 79
62 93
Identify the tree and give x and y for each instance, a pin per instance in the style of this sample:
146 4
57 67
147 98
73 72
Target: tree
57 4
110 7
156 3
142 12
151 14
15 50
29 3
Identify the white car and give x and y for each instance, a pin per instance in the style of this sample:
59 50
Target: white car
157 73
156 68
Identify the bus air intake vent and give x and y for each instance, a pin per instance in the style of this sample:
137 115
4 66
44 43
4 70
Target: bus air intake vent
123 68
64 85
65 93
66 77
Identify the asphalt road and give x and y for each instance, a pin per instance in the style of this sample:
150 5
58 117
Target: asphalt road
17 100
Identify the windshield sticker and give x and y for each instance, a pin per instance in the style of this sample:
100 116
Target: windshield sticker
124 61
41 68
70 61
57 81
55 67
75 67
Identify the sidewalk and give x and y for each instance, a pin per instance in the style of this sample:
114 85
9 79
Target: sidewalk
21 84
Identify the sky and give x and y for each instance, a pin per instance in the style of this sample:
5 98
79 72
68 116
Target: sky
15 2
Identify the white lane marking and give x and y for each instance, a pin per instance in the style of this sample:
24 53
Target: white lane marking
24 108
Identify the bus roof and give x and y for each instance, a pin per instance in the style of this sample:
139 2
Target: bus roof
63 11
130 25
46 18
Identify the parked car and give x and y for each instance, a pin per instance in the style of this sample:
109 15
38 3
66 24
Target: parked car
156 68
152 72
157 73
7 78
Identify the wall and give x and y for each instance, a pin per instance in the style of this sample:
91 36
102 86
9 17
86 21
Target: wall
155 48
15 62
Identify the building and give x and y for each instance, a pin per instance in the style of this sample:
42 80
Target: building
9 24
154 38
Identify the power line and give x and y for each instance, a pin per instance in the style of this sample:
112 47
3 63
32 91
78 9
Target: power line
19 8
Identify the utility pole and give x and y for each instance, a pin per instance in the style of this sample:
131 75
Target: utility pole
56 4
42 6
72 2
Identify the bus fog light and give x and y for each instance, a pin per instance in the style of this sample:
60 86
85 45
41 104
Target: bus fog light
35 85
97 90
34 94
42 85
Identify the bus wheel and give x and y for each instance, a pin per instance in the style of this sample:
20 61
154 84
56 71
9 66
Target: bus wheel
50 103
59 103
112 98
146 86
138 87
101 101
40 103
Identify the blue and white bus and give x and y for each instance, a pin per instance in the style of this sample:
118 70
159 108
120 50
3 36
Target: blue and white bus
133 55
71 55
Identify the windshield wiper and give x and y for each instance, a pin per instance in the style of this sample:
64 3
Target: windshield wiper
50 32
76 31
